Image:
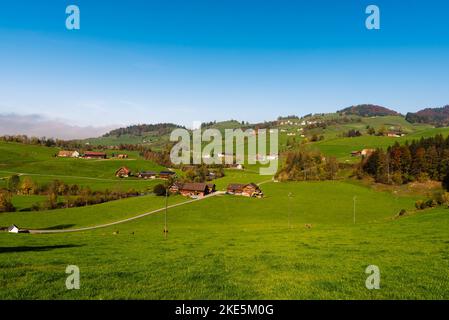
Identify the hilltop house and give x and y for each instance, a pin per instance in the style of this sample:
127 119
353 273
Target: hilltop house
68 154
247 190
94 155
147 175
123 172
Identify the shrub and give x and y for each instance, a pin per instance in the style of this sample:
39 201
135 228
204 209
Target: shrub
419 204
6 202
159 190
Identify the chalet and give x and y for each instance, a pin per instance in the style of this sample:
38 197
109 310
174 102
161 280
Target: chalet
147 175
247 190
166 174
94 155
123 172
13 229
68 154
194 189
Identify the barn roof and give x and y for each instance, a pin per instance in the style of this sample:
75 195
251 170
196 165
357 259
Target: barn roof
194 186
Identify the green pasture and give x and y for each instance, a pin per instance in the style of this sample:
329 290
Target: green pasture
229 247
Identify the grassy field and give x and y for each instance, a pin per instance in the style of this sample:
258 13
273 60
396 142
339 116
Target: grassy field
235 248
40 164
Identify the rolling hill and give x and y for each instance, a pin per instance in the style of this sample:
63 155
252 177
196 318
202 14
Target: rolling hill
368 110
435 116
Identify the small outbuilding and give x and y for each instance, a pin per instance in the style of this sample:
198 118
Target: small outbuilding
13 229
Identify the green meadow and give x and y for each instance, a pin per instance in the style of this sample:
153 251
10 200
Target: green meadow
229 247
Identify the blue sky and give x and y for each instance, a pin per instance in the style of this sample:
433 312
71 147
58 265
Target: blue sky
184 61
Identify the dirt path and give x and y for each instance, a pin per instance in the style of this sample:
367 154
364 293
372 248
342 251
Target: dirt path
123 220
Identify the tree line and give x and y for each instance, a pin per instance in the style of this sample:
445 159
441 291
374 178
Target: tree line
302 165
58 194
418 160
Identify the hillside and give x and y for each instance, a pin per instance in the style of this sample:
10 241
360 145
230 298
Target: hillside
368 110
435 116
154 135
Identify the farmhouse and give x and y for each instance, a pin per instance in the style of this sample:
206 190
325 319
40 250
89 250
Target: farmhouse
68 154
147 175
123 172
247 190
166 174
194 189
94 155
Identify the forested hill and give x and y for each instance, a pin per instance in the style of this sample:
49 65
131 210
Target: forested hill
368 110
435 116
143 129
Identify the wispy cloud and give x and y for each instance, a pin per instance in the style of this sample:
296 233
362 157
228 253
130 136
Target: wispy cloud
41 126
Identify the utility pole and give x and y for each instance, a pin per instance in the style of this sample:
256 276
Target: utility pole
166 209
354 199
289 208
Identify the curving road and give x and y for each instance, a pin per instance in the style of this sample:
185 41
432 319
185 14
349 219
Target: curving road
123 220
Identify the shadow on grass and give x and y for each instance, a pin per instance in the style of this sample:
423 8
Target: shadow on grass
37 248
59 227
